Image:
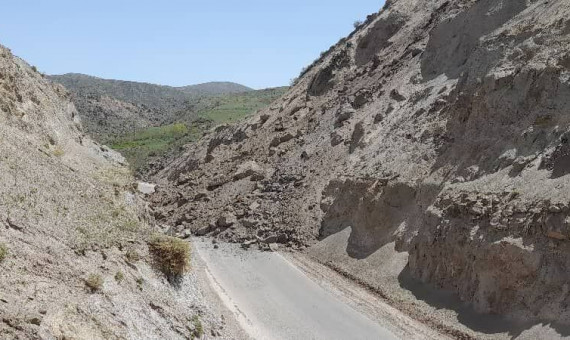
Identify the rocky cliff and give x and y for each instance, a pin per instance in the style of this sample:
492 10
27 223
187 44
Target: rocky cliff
438 128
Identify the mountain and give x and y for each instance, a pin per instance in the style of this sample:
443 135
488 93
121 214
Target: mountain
425 155
150 95
76 254
153 96
214 88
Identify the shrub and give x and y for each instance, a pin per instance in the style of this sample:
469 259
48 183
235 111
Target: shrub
132 255
357 23
58 152
35 69
198 329
94 282
171 255
179 128
119 277
3 252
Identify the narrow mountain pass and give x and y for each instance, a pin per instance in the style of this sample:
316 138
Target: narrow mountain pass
272 299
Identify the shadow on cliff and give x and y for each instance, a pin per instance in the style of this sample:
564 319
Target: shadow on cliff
493 118
452 42
374 209
467 315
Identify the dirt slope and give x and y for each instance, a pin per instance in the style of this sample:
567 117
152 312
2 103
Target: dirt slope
72 229
438 129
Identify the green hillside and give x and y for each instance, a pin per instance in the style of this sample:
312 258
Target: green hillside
156 142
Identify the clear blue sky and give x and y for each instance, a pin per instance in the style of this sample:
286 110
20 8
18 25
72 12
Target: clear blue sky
259 43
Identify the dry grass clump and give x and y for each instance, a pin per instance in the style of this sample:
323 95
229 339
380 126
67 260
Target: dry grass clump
119 277
94 282
132 255
171 255
3 252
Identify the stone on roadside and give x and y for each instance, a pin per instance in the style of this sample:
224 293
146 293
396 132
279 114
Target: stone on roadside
226 220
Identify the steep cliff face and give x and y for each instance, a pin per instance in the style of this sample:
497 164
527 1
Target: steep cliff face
438 126
72 231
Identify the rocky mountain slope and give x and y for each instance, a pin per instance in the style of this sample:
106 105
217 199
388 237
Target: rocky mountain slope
431 144
73 252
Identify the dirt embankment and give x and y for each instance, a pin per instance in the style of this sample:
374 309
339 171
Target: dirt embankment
74 263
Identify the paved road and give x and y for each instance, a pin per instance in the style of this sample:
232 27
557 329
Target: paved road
275 300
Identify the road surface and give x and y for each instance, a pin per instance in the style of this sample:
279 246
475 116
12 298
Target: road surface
274 300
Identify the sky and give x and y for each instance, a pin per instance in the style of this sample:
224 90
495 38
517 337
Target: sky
258 43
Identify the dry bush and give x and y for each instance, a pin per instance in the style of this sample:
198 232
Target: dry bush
94 282
132 255
171 255
3 252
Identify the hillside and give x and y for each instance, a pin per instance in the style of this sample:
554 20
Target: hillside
74 256
214 88
425 156
114 108
148 149
156 97
145 94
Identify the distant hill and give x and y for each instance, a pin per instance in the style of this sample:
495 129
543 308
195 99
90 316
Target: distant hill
145 121
154 96
215 88
111 108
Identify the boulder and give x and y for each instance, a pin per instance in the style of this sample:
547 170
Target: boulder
226 220
203 231
146 188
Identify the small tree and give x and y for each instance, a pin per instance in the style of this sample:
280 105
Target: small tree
357 23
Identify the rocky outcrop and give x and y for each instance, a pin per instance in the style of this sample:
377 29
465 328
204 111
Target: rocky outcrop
437 126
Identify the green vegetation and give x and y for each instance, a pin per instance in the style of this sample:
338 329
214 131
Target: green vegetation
3 252
119 276
142 145
231 108
139 147
94 282
197 328
171 255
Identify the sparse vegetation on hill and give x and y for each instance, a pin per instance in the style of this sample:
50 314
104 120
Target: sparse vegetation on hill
140 146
